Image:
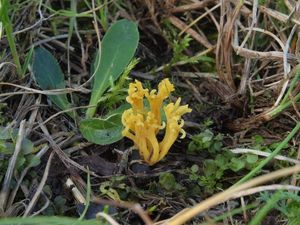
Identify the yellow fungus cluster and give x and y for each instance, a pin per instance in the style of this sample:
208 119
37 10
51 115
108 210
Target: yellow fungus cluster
142 125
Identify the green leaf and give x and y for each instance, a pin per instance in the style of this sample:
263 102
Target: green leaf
6 133
258 139
167 181
33 160
20 161
222 161
27 146
118 110
195 168
27 61
6 148
102 131
237 164
49 76
117 49
7 142
251 159
210 167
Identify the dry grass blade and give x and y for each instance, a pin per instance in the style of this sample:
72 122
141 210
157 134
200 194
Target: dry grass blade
208 11
192 6
253 23
33 115
61 112
188 214
224 48
107 217
22 176
61 154
267 33
36 91
294 177
235 62
179 63
259 189
182 26
4 194
265 154
278 15
134 207
269 113
39 190
286 66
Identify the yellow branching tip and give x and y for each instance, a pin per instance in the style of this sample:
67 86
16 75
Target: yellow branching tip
142 125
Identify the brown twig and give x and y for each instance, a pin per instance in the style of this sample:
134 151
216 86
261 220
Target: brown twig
182 26
193 6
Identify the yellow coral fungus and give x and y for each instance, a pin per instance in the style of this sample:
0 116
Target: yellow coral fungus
156 100
142 125
136 94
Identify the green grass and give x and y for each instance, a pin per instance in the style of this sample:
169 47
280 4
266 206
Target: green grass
199 175
47 220
253 172
261 214
7 25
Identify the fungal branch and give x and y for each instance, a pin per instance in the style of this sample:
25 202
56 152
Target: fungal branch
142 125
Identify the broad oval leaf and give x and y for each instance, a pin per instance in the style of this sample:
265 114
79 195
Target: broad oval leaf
48 75
102 131
117 49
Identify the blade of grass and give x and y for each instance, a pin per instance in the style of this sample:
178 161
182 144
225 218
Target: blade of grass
88 197
287 101
27 60
1 29
72 22
292 84
103 14
253 172
275 112
260 215
187 214
4 9
47 220
231 213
